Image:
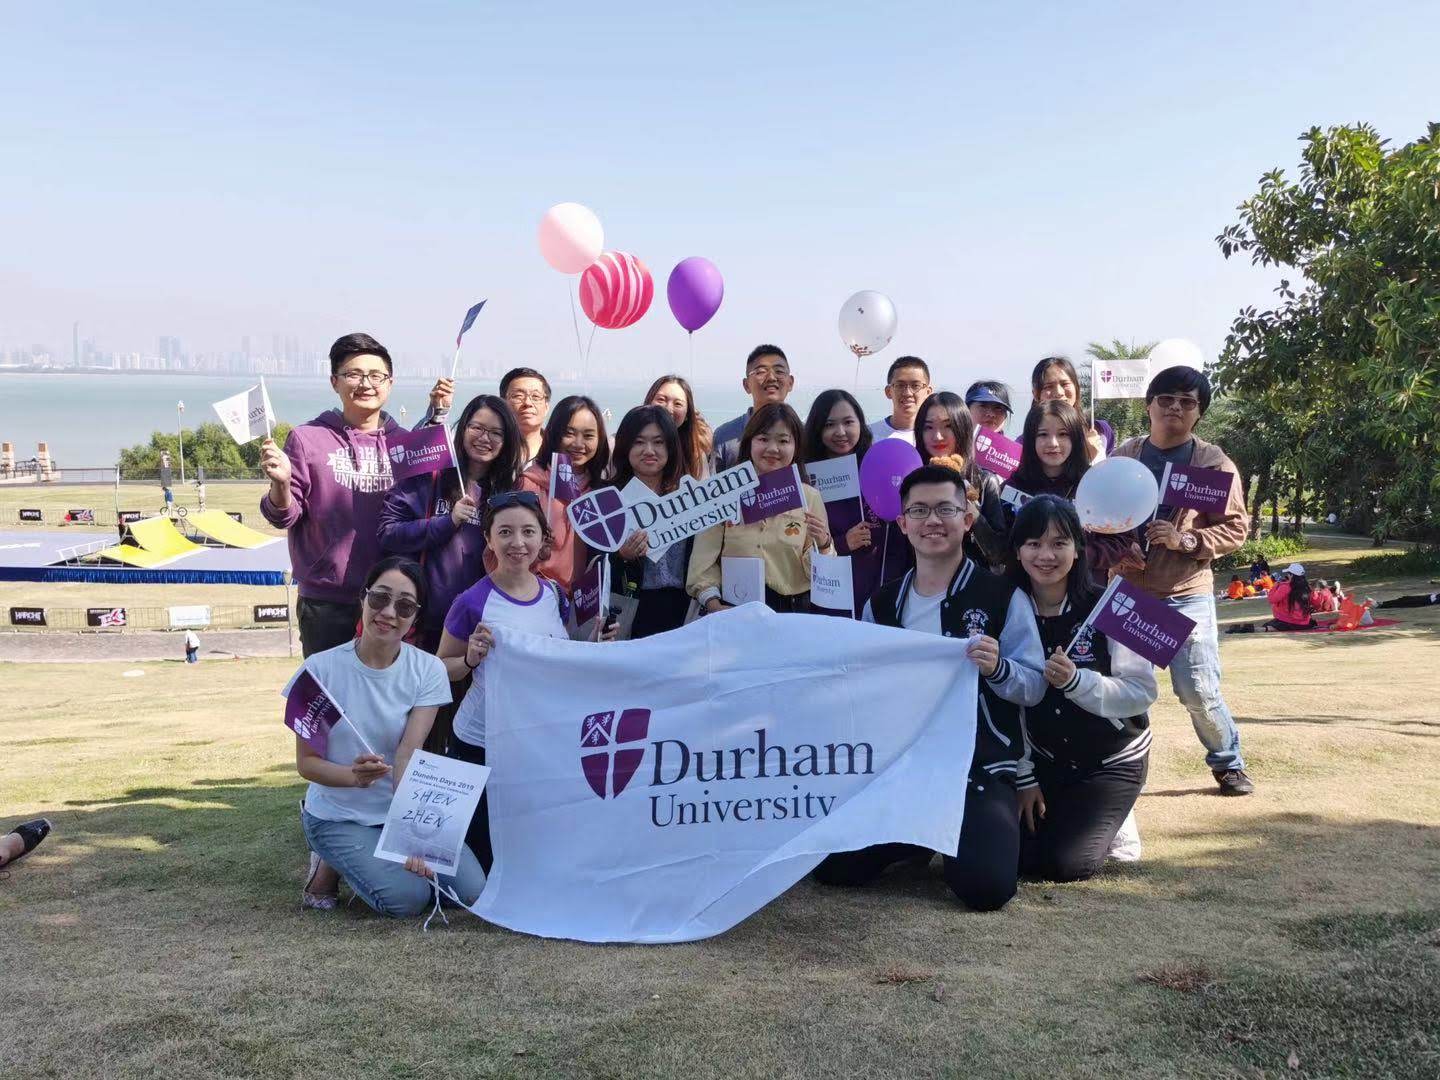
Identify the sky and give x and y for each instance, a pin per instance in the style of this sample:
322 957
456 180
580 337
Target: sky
1020 179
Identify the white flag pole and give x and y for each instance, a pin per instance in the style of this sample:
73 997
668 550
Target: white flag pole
1089 619
1164 483
359 734
265 398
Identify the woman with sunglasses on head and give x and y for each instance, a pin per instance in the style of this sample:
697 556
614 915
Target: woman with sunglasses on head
1054 379
773 439
945 435
434 518
648 448
836 427
1091 732
576 429
389 692
697 441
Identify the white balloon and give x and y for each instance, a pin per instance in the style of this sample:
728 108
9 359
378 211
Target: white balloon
1116 495
867 322
1176 352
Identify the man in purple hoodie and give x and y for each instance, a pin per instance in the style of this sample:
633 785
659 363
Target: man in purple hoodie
327 488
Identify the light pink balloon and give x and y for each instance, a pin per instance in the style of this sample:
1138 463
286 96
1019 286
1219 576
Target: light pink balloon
571 237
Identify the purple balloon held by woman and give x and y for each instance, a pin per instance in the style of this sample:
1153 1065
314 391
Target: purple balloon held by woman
885 464
695 290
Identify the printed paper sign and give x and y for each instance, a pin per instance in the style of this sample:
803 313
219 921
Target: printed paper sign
837 478
247 415
1129 615
776 493
742 580
563 485
432 808
188 616
1120 379
106 618
424 450
831 585
310 711
605 517
1014 496
1194 488
996 452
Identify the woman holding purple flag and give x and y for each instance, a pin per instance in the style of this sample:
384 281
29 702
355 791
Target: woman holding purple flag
575 429
1091 732
389 692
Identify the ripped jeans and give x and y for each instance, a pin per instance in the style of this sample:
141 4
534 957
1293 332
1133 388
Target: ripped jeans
1195 675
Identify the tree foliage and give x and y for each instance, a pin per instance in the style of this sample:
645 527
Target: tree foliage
208 446
1344 371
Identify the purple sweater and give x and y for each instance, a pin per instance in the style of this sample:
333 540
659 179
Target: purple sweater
411 524
338 479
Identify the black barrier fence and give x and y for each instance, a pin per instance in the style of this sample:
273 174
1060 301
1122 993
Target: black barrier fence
128 617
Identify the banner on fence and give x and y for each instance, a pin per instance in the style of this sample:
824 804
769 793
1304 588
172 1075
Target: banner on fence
271 613
125 517
105 618
27 616
81 517
666 789
189 616
30 513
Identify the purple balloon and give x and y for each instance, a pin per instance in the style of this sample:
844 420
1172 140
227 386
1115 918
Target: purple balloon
885 464
695 290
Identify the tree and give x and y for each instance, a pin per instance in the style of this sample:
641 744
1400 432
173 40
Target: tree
1348 361
208 446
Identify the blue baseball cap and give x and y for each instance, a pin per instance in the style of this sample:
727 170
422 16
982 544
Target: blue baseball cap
981 393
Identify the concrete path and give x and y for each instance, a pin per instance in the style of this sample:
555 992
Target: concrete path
65 648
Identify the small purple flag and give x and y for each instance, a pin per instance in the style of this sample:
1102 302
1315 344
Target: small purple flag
563 485
997 453
1129 615
1194 488
469 321
424 450
587 592
777 492
311 712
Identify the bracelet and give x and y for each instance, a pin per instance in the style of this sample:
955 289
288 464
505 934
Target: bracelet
468 664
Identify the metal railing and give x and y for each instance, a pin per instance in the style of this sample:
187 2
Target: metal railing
148 617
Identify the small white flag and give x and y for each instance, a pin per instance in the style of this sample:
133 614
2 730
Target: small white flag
1119 379
247 415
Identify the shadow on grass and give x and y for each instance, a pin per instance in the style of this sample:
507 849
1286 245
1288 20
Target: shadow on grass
1423 729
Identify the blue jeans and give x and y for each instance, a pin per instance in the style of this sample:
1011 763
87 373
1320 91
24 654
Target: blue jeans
349 848
1195 675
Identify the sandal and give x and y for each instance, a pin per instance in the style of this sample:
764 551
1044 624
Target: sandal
316 901
30 833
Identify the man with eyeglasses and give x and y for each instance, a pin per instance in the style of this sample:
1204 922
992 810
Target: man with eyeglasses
527 392
327 487
767 379
907 385
950 595
1181 544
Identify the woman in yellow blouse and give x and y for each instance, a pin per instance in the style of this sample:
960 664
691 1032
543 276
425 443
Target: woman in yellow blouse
772 440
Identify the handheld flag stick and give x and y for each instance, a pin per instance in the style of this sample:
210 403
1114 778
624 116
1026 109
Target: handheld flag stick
265 397
1164 483
1104 599
465 325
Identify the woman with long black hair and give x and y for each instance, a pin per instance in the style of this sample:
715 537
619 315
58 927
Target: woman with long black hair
945 435
576 428
1053 454
1091 733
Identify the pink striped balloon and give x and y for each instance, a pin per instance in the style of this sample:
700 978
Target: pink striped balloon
616 290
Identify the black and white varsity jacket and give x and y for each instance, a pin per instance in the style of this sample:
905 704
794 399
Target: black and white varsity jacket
979 602
1099 718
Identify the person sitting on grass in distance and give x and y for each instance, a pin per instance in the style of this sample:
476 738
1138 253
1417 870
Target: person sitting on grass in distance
1260 569
697 441
945 433
772 440
389 692
907 384
768 382
328 486
527 392
648 448
22 840
949 594
989 403
1091 733
1292 605
577 429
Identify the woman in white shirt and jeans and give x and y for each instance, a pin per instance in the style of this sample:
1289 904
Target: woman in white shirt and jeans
389 692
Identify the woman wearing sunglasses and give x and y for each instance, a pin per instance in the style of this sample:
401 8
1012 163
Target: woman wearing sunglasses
389 692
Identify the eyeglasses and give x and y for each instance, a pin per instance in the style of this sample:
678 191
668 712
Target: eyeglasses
944 511
762 372
534 397
370 378
506 499
379 600
482 433
916 388
1170 401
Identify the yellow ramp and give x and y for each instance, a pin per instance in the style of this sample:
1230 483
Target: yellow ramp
159 536
130 556
221 527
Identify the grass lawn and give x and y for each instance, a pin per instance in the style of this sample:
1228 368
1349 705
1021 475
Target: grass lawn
1294 933
56 499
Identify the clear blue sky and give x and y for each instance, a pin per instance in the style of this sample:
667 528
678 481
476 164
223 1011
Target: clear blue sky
1019 178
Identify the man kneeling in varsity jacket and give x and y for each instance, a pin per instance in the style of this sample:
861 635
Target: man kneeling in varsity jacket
949 594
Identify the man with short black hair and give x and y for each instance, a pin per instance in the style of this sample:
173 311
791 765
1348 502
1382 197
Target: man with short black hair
950 595
767 379
1181 544
907 385
989 404
527 392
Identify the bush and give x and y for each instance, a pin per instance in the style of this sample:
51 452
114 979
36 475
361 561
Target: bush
1417 562
1276 549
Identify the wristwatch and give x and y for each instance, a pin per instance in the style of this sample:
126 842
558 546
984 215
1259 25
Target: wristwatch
1189 542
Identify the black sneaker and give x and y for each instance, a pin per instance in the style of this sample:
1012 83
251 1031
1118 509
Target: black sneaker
1233 782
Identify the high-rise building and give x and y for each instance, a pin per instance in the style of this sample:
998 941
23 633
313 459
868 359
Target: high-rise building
75 344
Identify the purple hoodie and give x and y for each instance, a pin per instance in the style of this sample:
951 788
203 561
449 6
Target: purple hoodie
412 524
339 477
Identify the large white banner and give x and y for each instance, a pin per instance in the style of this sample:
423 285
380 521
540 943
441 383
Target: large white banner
665 789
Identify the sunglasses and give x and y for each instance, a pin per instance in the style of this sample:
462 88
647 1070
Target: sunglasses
379 600
507 499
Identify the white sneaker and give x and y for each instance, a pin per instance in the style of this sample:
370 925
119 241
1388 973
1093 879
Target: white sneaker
1126 846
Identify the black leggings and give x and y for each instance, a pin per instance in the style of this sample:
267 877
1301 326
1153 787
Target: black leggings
659 610
477 837
1084 809
981 873
1411 601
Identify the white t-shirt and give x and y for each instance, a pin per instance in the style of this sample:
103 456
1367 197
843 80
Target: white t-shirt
884 429
377 701
488 603
921 612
